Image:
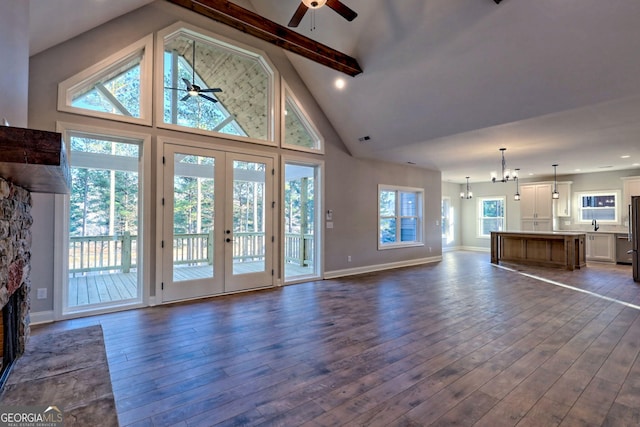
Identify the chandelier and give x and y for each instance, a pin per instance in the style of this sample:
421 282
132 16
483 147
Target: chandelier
506 173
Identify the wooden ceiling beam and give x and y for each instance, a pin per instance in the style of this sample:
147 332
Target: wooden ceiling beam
251 23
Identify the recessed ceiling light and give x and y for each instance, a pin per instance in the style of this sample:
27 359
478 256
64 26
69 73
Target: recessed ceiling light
340 83
636 164
626 156
578 170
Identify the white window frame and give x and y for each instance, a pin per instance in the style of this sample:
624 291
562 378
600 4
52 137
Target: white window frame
61 225
204 36
285 160
304 118
480 218
617 202
143 48
419 217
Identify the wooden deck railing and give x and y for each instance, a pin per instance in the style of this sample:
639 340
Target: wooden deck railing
119 253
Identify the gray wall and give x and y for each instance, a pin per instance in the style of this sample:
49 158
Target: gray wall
14 51
350 184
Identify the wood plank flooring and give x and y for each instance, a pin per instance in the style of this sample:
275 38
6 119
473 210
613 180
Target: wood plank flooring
460 342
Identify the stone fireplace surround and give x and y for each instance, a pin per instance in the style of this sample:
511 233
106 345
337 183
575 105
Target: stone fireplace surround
31 161
15 259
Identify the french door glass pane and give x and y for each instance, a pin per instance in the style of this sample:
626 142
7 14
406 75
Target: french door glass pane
249 179
193 215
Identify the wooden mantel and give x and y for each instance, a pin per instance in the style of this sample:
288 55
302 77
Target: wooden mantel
34 159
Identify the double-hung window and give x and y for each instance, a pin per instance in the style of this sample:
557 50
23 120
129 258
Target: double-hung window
491 215
601 206
400 219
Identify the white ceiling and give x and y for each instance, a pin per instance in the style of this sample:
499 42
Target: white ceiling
447 83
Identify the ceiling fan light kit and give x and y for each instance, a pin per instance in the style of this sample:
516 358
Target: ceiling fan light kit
191 87
339 7
314 4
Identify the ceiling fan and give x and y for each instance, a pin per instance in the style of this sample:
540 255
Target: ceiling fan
191 87
336 5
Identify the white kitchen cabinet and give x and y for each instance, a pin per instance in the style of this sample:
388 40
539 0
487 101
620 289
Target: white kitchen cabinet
600 247
562 206
536 225
536 207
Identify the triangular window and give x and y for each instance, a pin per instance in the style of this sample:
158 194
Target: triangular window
298 131
117 88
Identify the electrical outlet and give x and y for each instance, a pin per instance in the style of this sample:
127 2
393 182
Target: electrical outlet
42 293
349 258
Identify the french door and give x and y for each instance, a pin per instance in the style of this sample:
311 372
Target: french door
217 222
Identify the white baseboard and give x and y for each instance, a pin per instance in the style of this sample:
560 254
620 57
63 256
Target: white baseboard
40 317
475 249
379 267
451 248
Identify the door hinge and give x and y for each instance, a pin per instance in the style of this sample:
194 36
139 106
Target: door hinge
163 161
163 201
273 239
273 205
162 286
273 171
162 244
272 272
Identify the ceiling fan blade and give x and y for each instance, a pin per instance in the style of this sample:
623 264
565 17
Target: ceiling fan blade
184 98
215 89
174 88
298 15
208 97
188 83
342 9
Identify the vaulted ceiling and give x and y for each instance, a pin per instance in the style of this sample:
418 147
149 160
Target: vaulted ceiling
446 83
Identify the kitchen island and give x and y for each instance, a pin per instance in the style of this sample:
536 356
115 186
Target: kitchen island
548 249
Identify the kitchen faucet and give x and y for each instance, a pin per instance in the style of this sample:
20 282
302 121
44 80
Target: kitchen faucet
594 222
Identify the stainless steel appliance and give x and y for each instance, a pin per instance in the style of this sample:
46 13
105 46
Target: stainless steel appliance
623 249
634 233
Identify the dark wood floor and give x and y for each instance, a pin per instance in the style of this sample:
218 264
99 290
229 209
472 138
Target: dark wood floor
459 342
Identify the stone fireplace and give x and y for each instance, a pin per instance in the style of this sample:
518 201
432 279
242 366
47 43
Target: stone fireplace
31 161
15 264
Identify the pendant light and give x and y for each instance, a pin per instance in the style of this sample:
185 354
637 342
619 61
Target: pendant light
516 196
506 173
466 194
555 194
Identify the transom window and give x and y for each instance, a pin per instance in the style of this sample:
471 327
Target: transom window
298 131
491 215
400 220
600 206
213 86
117 88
